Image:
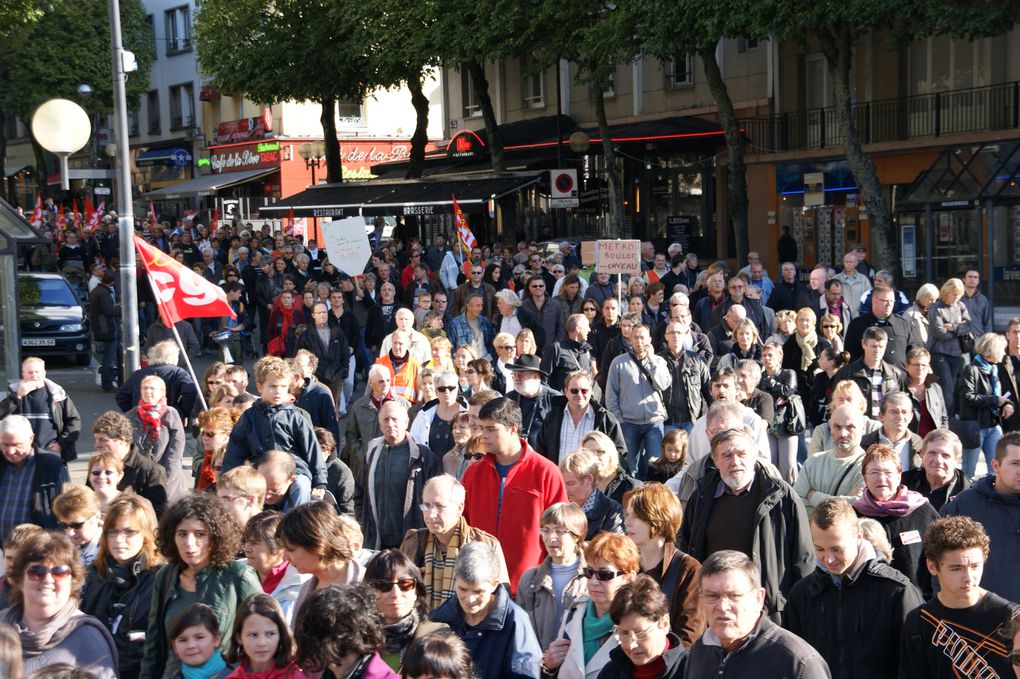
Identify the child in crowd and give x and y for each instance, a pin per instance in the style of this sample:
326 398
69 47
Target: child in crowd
673 459
274 423
78 511
262 645
196 641
456 461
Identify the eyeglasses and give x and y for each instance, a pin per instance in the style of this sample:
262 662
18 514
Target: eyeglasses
553 531
602 574
37 572
505 347
427 508
403 584
103 472
214 383
473 457
446 388
714 598
537 287
576 390
470 371
625 637
127 533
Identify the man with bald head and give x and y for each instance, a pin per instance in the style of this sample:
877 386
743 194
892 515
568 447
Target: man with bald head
30 477
721 335
419 348
396 469
836 472
403 367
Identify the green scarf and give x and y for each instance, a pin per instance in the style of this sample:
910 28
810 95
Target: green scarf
594 630
807 344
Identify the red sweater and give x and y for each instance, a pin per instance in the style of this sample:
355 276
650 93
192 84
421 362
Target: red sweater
533 484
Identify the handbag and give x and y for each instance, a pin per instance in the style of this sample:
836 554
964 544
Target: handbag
967 340
967 430
791 419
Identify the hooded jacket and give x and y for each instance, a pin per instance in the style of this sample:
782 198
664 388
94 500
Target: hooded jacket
66 420
1000 515
503 644
855 625
264 427
781 545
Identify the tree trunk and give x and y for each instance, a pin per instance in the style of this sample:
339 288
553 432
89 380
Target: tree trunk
334 165
3 157
420 138
40 169
839 52
613 225
736 181
477 73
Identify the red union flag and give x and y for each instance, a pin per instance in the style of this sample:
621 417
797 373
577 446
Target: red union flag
467 239
180 292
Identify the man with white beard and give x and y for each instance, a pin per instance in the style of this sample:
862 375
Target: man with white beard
745 505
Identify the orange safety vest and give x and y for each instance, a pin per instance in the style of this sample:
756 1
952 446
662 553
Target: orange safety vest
405 382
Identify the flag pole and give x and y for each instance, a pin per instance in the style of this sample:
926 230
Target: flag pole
180 343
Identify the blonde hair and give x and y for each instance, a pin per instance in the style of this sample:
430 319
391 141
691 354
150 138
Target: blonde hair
954 286
76 501
747 324
847 389
926 292
581 463
154 379
809 312
246 480
269 367
611 464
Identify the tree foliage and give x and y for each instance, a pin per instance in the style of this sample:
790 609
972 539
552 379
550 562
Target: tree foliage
16 15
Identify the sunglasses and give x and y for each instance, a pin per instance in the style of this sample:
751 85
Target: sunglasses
38 573
403 584
473 457
829 325
447 388
103 472
602 574
575 391
76 525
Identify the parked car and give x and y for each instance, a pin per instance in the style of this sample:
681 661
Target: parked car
53 318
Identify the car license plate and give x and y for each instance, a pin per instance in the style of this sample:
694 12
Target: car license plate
38 342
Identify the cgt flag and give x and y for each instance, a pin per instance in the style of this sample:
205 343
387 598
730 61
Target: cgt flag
180 292
37 213
467 239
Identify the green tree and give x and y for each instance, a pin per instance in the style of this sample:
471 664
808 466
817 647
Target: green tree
66 46
300 50
695 27
16 15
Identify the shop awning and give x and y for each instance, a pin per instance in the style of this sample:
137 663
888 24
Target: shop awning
10 171
963 176
171 155
209 184
401 197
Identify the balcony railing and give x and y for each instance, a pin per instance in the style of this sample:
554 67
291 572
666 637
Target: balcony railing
979 109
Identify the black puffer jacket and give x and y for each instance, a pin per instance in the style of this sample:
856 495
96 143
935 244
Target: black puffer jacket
686 395
285 427
975 398
855 627
120 598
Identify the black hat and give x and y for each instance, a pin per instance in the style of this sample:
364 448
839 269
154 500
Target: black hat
527 363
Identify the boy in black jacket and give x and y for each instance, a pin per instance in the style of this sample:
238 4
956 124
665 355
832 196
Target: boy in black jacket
959 632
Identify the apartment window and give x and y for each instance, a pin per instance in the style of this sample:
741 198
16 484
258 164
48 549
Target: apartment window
133 123
152 110
680 71
178 30
532 84
150 19
746 44
472 106
941 63
349 108
182 106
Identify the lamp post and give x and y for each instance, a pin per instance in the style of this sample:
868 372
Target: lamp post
85 90
62 127
313 153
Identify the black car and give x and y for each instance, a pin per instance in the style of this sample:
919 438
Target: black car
53 318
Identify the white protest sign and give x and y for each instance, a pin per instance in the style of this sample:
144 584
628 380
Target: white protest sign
347 244
618 257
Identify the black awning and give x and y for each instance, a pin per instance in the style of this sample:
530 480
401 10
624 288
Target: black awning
402 197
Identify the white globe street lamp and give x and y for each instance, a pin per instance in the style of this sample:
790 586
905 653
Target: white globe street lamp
62 127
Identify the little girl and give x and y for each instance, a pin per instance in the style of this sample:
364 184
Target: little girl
262 644
674 455
195 640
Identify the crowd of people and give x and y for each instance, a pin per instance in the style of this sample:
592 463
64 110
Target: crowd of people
508 468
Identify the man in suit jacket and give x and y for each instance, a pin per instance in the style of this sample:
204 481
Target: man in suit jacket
897 329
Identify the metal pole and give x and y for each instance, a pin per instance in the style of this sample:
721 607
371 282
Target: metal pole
125 209
990 211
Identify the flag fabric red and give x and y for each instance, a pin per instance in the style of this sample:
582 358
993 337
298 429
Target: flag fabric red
74 213
91 216
466 238
215 219
37 213
152 214
180 292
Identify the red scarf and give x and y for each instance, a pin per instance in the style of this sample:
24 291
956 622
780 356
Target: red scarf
151 416
652 670
274 577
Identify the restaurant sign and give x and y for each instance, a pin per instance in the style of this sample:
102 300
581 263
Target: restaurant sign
247 157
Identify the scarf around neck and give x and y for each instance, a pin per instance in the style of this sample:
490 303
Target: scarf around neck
593 630
210 668
903 503
63 623
400 634
807 344
151 415
438 572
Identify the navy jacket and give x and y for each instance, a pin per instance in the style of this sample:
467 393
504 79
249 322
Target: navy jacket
264 427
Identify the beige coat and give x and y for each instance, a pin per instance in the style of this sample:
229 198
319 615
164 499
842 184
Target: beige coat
535 595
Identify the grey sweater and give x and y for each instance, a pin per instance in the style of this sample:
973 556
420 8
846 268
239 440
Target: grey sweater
629 394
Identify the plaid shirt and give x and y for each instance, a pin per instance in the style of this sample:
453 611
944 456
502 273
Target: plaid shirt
16 490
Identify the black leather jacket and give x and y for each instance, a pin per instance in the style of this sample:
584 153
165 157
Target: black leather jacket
685 399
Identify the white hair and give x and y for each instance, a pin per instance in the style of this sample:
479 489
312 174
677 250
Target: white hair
477 564
448 487
508 296
17 425
164 353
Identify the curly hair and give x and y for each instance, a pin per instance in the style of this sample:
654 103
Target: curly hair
953 533
392 564
114 425
334 622
217 418
50 546
224 532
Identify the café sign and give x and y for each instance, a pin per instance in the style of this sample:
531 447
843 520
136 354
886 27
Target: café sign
250 156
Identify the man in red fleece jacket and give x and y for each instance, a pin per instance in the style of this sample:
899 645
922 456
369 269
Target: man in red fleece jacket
508 489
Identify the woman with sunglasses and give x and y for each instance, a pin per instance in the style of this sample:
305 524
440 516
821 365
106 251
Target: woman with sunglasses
46 579
402 602
467 449
591 311
504 345
159 433
832 330
482 377
199 538
105 473
118 586
462 356
433 426
215 426
647 648
586 635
